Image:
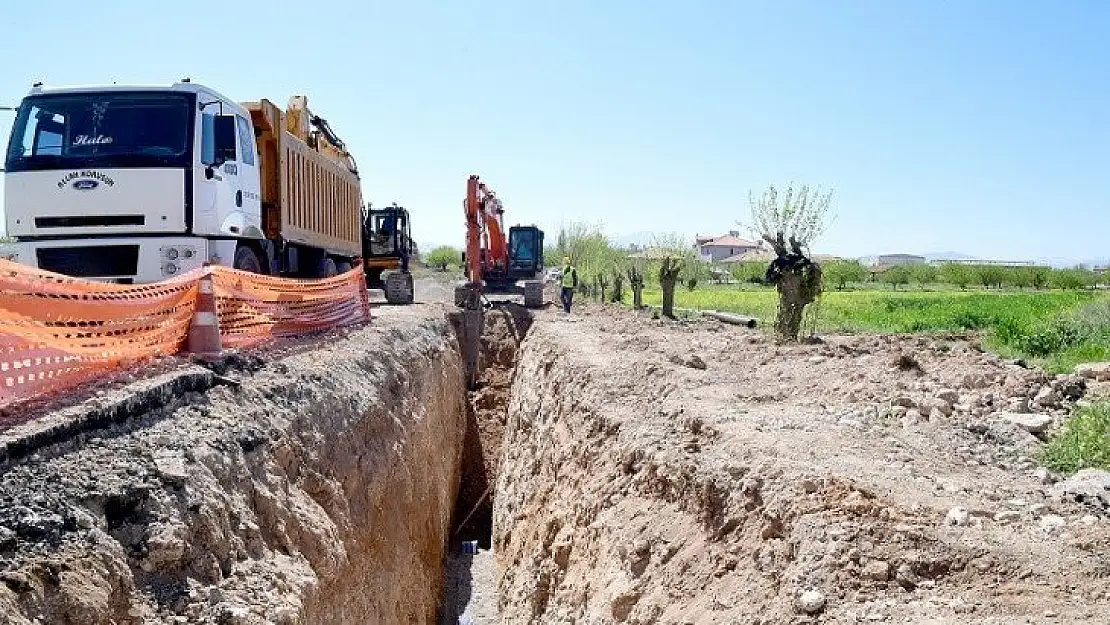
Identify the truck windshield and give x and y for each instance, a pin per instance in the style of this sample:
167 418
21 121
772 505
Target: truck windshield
100 130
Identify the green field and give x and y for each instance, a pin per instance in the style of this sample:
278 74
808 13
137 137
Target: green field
1058 329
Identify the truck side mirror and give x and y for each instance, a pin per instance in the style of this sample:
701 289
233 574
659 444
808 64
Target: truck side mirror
224 139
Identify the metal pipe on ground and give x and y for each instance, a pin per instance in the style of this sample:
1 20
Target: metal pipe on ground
736 320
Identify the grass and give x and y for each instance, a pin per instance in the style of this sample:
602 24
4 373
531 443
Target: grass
1083 442
1057 329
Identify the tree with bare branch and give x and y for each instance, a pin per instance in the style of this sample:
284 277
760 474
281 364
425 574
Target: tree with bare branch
790 223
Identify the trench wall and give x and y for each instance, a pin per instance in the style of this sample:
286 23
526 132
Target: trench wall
317 490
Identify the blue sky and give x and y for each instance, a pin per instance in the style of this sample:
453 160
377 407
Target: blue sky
980 126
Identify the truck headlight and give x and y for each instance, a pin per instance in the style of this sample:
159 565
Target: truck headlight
169 269
171 253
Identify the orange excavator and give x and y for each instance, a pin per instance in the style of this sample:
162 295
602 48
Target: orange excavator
495 263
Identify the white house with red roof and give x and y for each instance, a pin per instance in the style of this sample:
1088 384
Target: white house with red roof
718 248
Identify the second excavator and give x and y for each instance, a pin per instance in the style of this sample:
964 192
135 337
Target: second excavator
494 262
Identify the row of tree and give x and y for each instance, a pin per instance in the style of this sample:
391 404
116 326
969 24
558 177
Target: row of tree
600 263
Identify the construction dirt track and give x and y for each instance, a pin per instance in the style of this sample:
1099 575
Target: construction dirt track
622 469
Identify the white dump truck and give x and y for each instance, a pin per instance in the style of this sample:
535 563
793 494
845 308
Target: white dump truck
136 184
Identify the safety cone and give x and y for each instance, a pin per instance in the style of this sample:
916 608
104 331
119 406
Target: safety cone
204 331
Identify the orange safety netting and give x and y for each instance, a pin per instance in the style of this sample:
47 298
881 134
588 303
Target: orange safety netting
253 307
57 331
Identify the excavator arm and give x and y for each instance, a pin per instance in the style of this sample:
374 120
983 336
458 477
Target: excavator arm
484 231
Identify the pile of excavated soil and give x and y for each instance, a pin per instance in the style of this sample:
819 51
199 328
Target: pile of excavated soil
317 489
661 472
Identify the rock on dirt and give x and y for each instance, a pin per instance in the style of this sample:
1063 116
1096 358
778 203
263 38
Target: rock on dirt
1088 486
1099 371
958 517
811 602
1032 423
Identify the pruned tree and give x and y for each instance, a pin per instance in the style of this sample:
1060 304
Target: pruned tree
669 269
602 281
636 283
673 257
618 284
790 224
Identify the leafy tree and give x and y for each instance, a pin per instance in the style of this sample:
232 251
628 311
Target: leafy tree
923 274
1039 277
590 251
1019 277
989 275
751 272
1072 279
841 272
956 274
443 257
790 224
896 275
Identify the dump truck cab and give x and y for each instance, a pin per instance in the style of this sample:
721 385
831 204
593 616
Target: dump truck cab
137 184
151 179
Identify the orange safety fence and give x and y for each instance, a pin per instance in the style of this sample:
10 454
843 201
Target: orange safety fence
57 331
253 307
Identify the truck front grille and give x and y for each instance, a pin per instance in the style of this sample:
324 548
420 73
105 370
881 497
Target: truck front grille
90 262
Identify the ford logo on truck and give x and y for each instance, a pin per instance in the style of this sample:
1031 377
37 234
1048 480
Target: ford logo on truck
85 180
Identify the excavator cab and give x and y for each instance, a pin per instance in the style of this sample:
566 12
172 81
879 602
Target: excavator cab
525 252
387 245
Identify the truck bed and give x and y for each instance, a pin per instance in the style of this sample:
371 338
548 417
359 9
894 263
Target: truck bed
308 197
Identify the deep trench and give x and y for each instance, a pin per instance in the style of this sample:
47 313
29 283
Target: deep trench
490 343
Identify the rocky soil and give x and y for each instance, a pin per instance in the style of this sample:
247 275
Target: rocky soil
661 472
315 488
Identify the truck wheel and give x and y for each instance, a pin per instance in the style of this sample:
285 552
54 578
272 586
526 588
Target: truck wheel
247 260
326 268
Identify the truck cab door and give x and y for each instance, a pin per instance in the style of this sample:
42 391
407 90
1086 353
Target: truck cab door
218 183
248 197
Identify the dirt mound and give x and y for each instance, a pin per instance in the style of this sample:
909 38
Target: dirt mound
692 473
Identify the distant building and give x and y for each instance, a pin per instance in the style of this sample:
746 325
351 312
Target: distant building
889 260
983 261
717 249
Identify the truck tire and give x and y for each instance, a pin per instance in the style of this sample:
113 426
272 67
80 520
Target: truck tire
326 268
533 294
246 260
399 288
